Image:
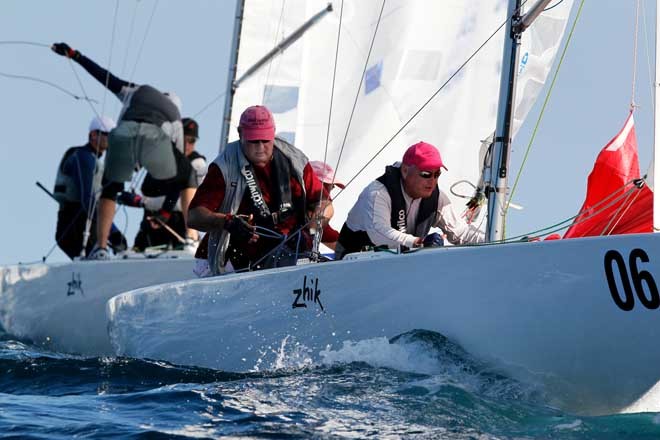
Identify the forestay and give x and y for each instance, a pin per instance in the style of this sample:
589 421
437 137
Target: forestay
418 46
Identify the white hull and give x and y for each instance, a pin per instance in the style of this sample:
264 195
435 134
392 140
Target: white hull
548 312
62 305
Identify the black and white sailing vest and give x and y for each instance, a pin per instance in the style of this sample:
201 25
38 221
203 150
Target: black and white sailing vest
355 241
239 179
66 188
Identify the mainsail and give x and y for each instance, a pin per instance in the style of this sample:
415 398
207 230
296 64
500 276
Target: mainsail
418 46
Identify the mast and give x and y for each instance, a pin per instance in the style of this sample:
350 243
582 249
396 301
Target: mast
496 182
656 128
233 61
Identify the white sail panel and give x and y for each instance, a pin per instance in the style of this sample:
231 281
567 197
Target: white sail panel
419 45
276 84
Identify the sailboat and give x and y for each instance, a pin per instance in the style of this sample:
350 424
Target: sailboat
577 315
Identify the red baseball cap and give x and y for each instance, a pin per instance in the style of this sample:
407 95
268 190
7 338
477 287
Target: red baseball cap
325 173
257 124
424 156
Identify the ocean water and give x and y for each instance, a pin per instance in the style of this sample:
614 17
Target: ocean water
419 385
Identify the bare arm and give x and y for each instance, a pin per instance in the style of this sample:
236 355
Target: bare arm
205 220
185 198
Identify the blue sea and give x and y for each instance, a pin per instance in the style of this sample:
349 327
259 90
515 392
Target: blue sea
418 385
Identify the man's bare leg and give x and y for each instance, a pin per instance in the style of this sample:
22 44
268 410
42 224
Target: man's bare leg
105 215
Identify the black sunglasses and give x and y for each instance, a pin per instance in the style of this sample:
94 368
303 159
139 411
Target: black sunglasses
191 139
428 174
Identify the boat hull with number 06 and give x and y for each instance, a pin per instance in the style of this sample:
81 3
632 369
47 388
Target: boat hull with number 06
579 316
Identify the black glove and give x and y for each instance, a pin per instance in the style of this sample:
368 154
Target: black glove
64 50
238 227
433 240
130 199
117 241
161 218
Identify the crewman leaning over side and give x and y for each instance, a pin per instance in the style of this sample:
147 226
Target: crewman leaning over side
173 233
400 207
149 134
258 181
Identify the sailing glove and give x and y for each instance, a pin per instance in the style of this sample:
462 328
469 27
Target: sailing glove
130 199
433 240
65 50
238 227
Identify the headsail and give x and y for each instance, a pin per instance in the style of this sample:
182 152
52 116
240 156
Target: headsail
418 46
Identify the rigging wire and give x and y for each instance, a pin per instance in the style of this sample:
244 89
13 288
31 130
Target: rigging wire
428 101
210 103
270 62
144 39
357 95
553 6
43 81
542 113
97 162
129 38
318 219
648 57
28 43
634 72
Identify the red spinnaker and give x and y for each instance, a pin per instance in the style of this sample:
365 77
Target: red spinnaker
616 166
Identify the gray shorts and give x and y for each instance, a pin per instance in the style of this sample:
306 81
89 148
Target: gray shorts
138 143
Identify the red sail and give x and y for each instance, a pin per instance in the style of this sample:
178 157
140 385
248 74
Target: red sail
624 209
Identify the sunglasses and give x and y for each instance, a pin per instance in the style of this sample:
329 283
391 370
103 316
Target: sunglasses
428 174
191 139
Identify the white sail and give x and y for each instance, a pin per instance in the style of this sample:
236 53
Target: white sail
418 46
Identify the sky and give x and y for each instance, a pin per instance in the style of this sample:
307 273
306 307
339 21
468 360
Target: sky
185 48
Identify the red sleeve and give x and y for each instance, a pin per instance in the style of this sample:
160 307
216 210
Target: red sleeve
211 192
330 234
313 186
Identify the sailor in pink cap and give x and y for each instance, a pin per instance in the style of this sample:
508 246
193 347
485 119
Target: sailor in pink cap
259 180
399 208
326 175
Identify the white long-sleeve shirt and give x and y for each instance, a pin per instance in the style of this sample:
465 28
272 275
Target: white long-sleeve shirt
373 211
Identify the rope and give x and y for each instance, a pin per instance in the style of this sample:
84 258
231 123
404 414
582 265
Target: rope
545 104
563 224
622 214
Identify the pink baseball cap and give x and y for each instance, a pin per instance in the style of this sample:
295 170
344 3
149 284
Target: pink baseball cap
257 124
325 173
423 156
